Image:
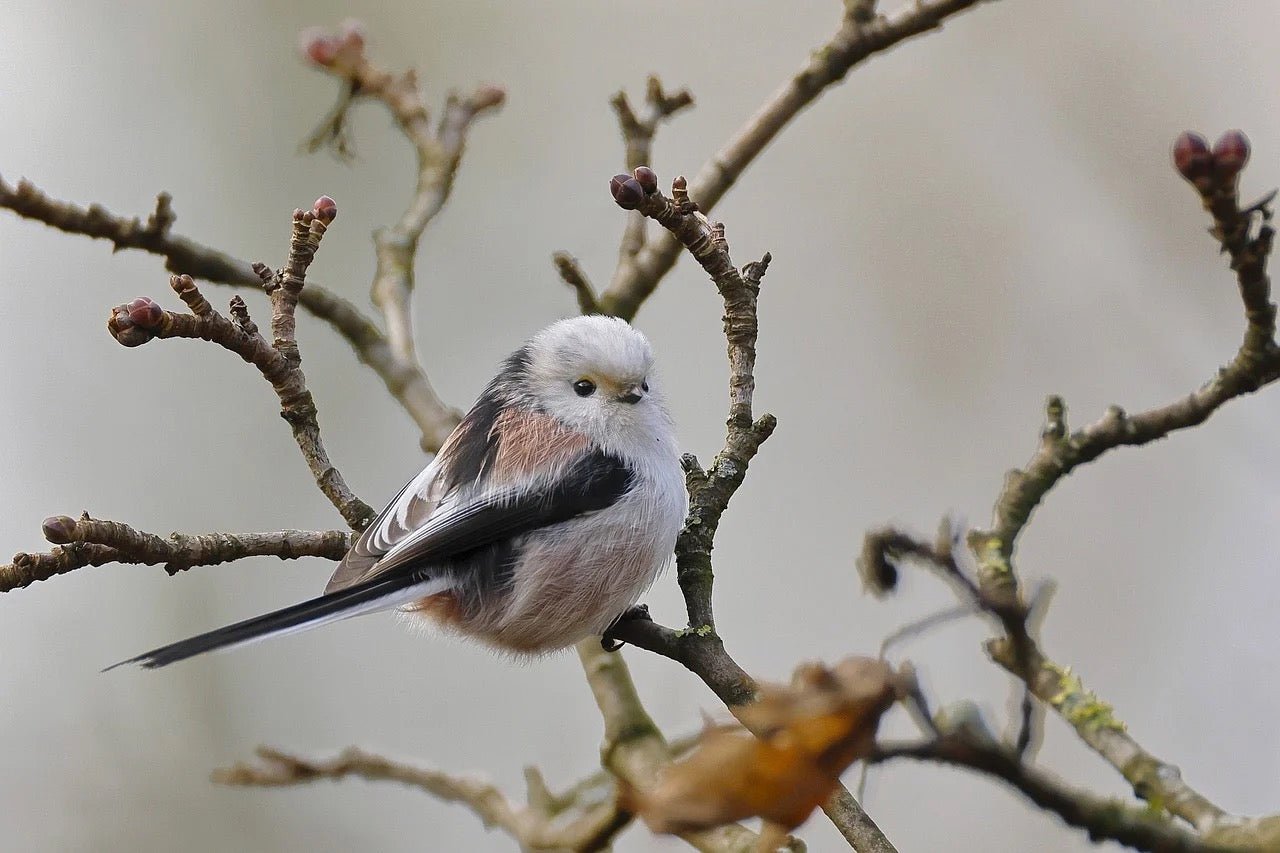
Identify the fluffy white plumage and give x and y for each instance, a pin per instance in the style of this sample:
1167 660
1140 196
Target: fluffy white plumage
547 513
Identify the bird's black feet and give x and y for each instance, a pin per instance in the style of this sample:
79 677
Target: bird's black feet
608 641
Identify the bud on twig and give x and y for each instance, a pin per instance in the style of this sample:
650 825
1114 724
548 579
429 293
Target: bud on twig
627 191
132 324
1191 156
145 312
318 46
1230 153
327 49
59 529
648 179
325 209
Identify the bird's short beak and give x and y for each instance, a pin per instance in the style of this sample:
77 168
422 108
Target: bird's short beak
634 394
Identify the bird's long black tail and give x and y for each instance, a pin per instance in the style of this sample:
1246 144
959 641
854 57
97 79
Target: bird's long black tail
378 594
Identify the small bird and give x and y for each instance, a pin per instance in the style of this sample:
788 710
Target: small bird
545 516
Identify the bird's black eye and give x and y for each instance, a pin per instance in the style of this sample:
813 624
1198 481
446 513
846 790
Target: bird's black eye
644 386
584 387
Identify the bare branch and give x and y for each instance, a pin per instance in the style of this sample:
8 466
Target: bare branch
1245 234
638 131
406 383
94 542
1103 819
861 36
710 491
534 830
1095 722
572 274
698 647
438 150
1017 651
142 320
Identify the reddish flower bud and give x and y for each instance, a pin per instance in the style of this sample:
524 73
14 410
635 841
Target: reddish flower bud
1230 153
325 209
627 191
318 46
59 529
145 312
648 179
1191 156
124 330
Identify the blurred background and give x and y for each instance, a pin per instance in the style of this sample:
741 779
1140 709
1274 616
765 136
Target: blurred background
979 218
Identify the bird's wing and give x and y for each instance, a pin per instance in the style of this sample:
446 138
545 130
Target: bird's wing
594 481
408 511
504 473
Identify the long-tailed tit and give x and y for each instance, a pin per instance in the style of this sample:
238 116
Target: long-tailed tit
546 514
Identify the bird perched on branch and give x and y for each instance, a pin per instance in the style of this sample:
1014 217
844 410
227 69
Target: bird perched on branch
546 514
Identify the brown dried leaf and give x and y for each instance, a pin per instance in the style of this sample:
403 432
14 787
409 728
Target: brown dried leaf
810 732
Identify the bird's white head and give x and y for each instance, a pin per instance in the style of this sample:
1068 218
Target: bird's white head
596 375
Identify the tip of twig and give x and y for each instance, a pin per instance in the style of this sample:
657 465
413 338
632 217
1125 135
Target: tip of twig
627 192
325 209
328 49
1211 169
59 529
488 96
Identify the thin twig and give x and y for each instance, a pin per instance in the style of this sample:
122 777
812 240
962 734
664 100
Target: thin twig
1102 819
592 830
638 130
438 150
1245 235
407 383
572 274
698 647
94 542
859 37
1095 722
143 320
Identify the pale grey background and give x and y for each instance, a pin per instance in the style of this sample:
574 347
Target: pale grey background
979 218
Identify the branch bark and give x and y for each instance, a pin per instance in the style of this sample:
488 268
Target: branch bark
1153 780
534 829
1103 819
94 542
